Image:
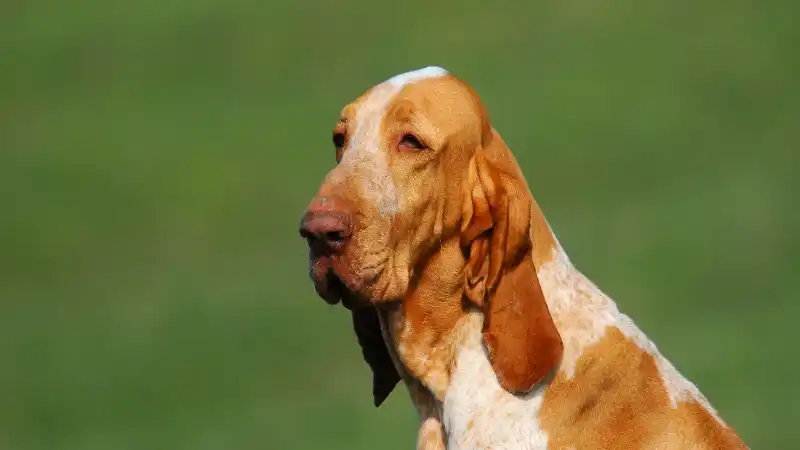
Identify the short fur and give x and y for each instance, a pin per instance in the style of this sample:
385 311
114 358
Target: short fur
458 286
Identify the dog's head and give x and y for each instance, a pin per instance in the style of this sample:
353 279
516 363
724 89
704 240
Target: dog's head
421 170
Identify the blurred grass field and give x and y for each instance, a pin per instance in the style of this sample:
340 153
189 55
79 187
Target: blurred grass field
155 158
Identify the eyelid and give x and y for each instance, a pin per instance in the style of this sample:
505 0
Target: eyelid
422 129
412 140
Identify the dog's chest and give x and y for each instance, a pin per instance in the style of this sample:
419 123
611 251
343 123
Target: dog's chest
479 414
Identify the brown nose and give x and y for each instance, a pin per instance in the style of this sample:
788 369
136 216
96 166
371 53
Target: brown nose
324 230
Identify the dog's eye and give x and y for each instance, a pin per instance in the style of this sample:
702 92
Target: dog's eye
411 142
338 140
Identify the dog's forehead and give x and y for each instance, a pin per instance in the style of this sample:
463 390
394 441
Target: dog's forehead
420 87
413 76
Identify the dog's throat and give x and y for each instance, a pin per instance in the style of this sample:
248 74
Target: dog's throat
389 316
426 403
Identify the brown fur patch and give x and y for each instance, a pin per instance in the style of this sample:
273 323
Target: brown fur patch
541 236
431 435
523 342
617 400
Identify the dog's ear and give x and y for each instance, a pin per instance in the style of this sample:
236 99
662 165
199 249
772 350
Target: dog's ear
368 331
500 277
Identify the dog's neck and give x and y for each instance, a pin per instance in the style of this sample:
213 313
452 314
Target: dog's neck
422 331
431 329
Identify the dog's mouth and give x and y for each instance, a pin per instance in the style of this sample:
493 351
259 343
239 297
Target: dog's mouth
334 289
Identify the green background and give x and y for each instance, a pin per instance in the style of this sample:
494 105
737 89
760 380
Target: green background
155 159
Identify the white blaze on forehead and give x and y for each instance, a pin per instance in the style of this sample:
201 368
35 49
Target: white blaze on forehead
364 154
416 75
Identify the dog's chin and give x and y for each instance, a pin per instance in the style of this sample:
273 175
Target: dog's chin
352 301
329 288
335 287
338 280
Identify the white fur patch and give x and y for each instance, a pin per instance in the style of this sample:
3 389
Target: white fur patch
413 76
582 312
364 153
478 412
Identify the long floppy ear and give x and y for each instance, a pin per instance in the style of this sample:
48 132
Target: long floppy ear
500 278
368 331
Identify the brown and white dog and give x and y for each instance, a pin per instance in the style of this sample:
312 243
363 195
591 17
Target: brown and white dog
427 231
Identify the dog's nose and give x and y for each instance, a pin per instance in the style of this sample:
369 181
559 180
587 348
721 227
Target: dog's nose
325 230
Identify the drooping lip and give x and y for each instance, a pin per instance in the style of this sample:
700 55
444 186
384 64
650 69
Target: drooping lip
329 287
333 288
